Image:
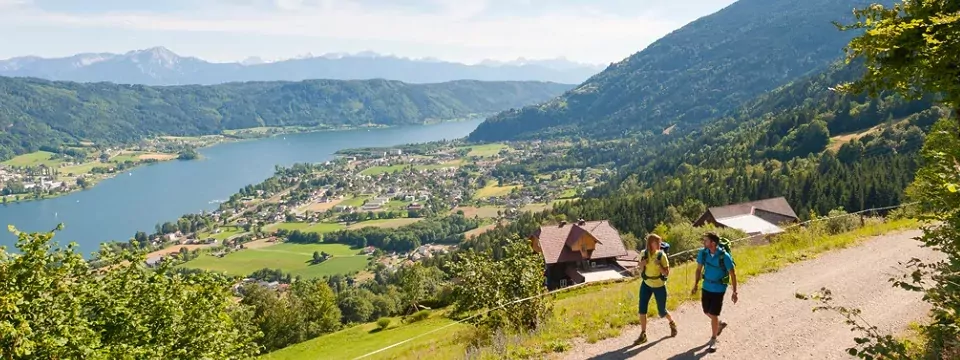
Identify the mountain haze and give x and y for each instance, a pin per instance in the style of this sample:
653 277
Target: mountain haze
696 73
38 112
160 66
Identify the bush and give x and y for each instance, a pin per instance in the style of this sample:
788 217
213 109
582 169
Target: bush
558 346
683 237
418 316
383 323
840 224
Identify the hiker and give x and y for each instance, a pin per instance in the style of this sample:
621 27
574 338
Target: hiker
716 266
654 267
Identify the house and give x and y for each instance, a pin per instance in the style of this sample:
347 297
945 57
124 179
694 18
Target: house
414 206
586 251
762 217
369 250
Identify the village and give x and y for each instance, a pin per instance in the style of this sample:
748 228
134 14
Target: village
393 189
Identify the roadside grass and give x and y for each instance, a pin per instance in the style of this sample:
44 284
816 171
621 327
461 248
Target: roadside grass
321 228
363 339
384 223
601 311
36 158
494 190
292 258
486 150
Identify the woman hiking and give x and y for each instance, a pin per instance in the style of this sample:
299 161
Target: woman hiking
655 267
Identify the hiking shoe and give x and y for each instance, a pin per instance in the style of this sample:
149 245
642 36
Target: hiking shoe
673 329
642 339
723 325
712 346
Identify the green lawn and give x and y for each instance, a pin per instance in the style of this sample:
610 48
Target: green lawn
125 156
385 223
84 168
494 190
292 258
227 231
377 170
34 159
364 339
487 150
307 227
355 201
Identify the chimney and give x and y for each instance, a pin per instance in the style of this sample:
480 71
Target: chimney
581 222
562 223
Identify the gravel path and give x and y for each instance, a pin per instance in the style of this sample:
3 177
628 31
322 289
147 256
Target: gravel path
769 322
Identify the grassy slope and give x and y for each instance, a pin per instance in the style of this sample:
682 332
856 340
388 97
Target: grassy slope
362 339
385 223
292 258
487 150
494 190
593 312
307 227
34 159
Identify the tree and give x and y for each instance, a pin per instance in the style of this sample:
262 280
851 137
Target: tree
488 284
57 307
913 49
316 257
318 304
910 48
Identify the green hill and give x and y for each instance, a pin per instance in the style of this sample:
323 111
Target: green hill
39 112
694 74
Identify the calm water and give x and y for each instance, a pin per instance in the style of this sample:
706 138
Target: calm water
117 208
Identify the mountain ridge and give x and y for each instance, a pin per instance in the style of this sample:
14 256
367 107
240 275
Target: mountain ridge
161 66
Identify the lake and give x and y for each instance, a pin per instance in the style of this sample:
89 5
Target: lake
116 208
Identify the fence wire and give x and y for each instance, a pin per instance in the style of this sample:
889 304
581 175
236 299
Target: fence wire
671 256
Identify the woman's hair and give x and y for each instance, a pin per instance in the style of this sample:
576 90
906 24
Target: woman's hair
651 239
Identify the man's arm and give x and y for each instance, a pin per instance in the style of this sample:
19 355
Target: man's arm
733 282
696 281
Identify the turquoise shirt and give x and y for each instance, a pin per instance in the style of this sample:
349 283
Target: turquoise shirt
712 273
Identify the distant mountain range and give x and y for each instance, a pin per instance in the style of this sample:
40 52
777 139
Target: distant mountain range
160 66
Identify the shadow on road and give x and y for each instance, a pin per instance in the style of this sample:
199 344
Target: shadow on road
632 351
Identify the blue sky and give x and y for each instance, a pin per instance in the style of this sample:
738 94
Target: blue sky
594 31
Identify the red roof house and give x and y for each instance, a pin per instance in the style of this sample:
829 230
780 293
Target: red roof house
582 252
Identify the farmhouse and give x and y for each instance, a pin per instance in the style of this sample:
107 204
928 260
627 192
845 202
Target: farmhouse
762 217
582 252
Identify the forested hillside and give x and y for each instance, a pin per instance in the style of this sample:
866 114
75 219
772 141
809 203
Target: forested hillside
36 112
820 149
697 73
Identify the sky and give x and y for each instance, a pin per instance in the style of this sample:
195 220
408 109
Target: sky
589 31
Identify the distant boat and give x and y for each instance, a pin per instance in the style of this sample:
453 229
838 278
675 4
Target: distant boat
131 174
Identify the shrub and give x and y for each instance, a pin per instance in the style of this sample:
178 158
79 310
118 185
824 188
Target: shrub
418 316
558 346
383 323
683 237
839 223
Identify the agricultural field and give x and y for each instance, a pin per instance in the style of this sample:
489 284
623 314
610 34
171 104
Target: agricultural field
355 201
292 258
488 150
226 232
34 159
385 223
494 190
377 170
364 339
485 212
307 227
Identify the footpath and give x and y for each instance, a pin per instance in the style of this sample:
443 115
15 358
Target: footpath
769 322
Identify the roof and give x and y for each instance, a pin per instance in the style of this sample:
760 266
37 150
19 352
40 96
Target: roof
778 205
555 240
750 224
600 275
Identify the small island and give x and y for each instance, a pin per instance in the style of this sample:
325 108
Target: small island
188 154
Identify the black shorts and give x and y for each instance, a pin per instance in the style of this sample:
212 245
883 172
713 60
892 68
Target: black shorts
712 302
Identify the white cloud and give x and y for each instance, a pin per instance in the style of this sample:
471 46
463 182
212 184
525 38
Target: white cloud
579 32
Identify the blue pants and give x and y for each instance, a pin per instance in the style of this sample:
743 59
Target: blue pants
661 296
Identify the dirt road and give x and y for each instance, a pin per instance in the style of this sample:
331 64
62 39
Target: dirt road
769 322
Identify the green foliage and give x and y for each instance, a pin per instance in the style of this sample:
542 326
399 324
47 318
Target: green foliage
872 343
684 237
417 316
39 113
837 223
383 323
491 286
188 154
910 48
307 311
55 306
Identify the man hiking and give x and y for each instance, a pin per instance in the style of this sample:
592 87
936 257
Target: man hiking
717 268
654 267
